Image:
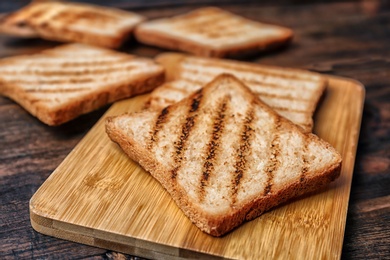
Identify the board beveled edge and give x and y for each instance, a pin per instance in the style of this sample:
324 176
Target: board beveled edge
106 240
103 239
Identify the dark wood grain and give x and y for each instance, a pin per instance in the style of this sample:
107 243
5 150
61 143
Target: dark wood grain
349 39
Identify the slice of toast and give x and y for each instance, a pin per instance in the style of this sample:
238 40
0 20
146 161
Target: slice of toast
62 83
72 22
293 93
223 155
212 32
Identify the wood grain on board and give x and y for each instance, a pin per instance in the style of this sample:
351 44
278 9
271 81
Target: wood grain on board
99 197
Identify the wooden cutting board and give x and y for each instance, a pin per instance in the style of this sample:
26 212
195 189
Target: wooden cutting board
99 197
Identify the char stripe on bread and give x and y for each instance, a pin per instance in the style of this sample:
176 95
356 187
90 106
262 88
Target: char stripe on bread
240 166
272 164
67 73
223 155
56 90
218 25
161 119
186 129
74 77
213 145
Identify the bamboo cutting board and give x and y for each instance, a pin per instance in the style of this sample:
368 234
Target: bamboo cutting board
99 197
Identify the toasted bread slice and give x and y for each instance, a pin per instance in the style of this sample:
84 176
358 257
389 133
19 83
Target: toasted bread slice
212 32
72 22
293 93
62 83
223 155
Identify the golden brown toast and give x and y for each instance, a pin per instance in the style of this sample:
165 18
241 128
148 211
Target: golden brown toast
223 155
212 32
72 22
62 83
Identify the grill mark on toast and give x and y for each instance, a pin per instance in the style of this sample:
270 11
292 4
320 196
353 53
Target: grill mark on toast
212 147
209 63
185 133
305 161
298 111
50 62
57 90
91 62
273 163
212 27
67 17
80 77
75 72
259 83
210 24
39 100
255 89
160 121
243 152
50 81
159 102
196 25
35 14
285 96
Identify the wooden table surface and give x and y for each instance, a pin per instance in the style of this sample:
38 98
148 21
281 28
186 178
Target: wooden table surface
349 39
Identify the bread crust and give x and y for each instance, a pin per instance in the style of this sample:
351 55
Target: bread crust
220 224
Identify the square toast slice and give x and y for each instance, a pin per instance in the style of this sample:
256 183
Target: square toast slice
292 93
72 22
223 155
62 83
212 32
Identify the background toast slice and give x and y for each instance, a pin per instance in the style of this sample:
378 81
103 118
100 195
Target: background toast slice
212 32
62 83
224 156
292 93
72 22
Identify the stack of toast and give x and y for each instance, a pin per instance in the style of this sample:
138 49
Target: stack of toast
228 140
